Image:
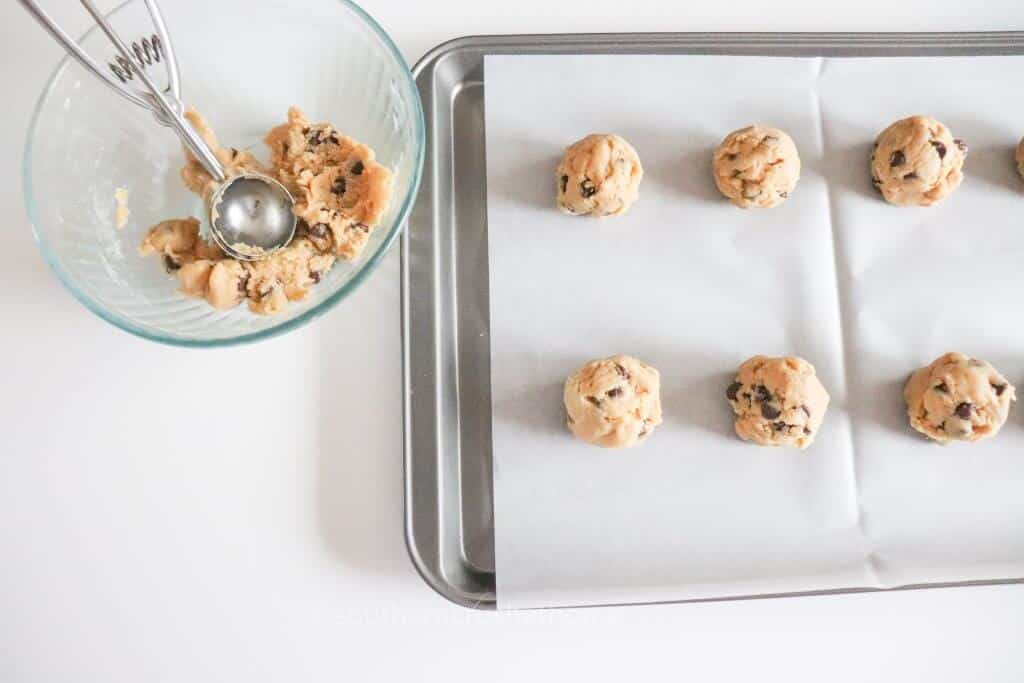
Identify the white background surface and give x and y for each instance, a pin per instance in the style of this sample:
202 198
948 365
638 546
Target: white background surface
144 537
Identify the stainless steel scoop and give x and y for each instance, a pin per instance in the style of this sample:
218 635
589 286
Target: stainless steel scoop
250 215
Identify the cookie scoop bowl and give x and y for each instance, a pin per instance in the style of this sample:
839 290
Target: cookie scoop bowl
84 142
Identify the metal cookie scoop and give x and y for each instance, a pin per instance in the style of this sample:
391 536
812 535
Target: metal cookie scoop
251 215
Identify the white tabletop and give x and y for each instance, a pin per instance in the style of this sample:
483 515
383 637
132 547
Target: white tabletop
142 539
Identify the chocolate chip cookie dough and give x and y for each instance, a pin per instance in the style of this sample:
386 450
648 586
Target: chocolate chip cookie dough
234 161
917 162
958 398
340 190
341 194
777 401
598 176
203 271
756 166
613 402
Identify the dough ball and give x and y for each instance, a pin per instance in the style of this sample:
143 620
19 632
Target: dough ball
614 402
756 166
1020 158
225 286
778 401
917 162
194 277
598 176
958 398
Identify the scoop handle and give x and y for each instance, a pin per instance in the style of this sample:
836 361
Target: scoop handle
154 99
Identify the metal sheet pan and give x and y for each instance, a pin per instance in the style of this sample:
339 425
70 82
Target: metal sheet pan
445 310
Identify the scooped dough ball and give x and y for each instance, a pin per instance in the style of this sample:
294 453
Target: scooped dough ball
756 166
613 402
1020 158
917 162
958 398
598 176
778 401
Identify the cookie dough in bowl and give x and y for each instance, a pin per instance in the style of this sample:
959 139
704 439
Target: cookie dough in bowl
613 402
756 166
916 162
777 401
958 398
598 176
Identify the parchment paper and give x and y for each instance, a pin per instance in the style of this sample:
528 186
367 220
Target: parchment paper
693 286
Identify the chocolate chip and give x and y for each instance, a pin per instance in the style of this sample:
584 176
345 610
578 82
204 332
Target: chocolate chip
768 412
613 393
939 148
807 411
733 389
315 276
642 434
333 137
357 168
170 265
807 431
564 183
319 230
339 186
942 386
783 194
315 138
234 154
731 157
779 426
622 371
999 389
961 145
875 181
762 393
587 188
910 176
593 399
897 159
963 411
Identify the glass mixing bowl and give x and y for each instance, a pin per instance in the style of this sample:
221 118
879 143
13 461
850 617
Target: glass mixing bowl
242 65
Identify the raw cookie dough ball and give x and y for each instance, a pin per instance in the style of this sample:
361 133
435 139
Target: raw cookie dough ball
614 402
756 166
778 401
226 284
958 398
598 176
1020 157
917 162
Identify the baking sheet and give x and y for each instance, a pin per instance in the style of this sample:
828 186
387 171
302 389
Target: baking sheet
694 286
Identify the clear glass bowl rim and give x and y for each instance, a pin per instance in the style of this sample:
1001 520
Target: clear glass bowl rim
366 268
